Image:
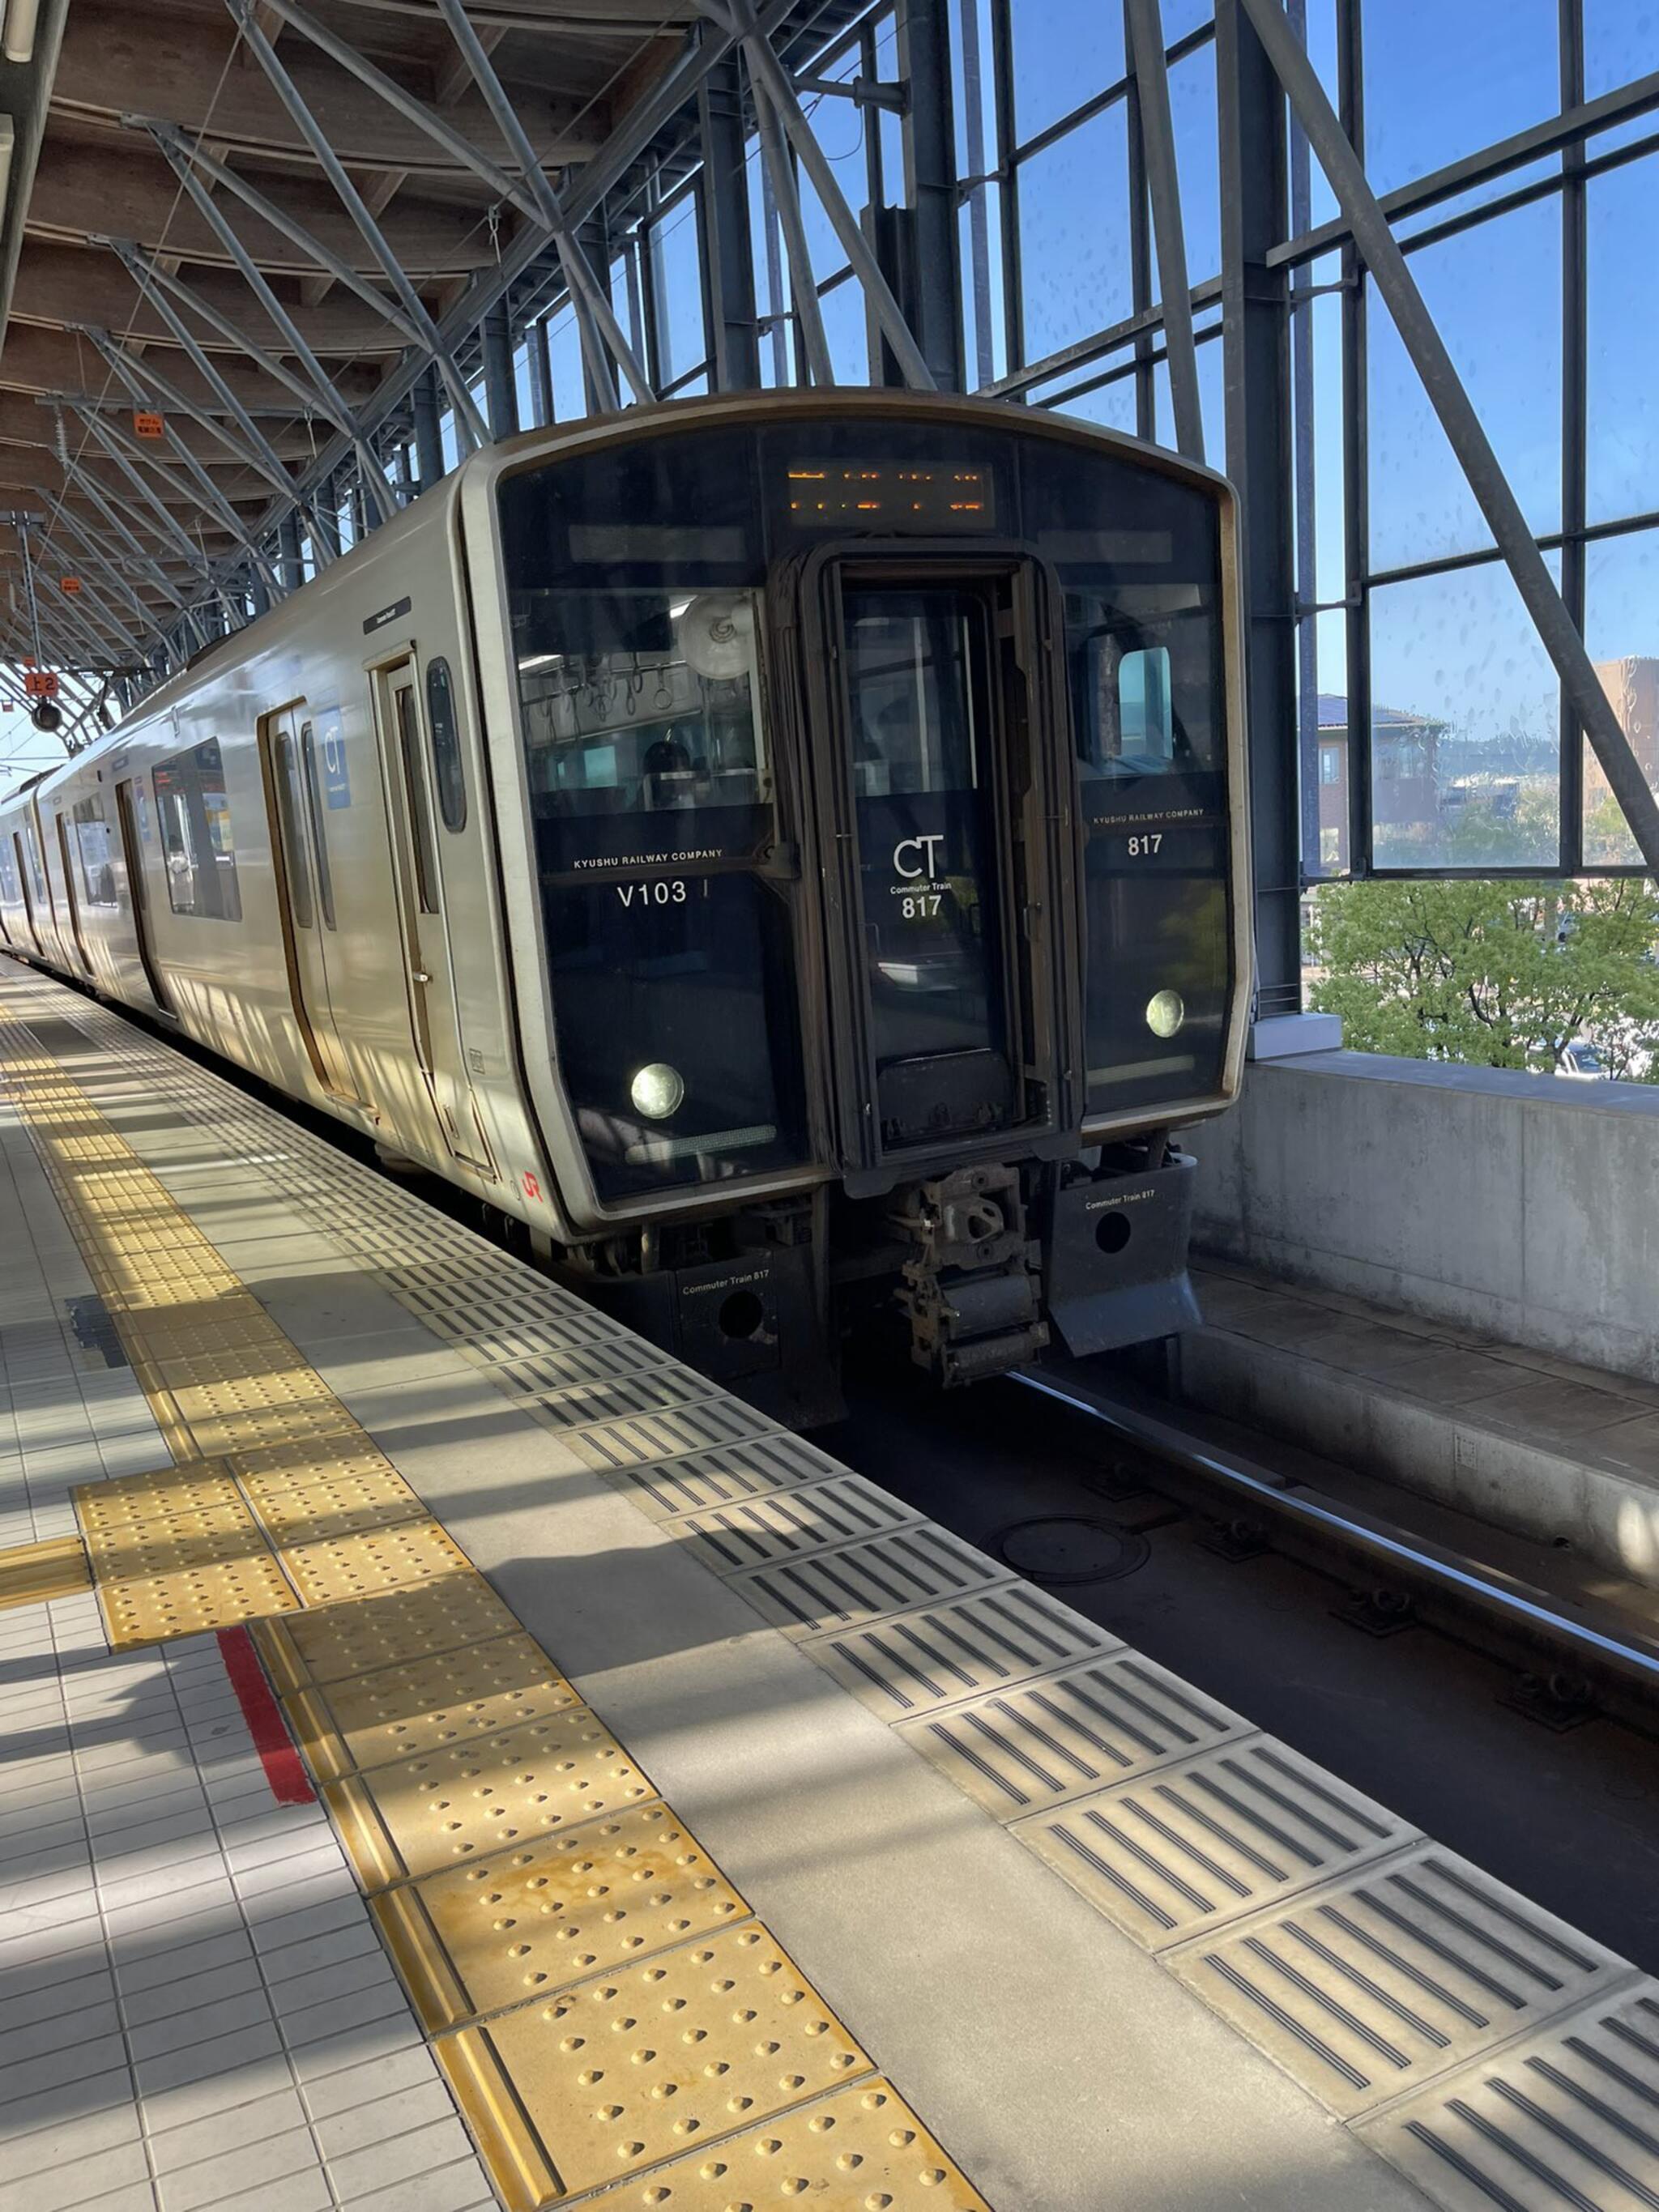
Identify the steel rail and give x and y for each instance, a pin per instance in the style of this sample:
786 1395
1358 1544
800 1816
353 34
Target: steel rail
1615 1648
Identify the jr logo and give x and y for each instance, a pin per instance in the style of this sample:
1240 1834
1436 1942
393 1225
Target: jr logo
927 864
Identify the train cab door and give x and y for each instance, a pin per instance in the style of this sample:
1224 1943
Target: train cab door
305 891
133 858
942 809
434 1023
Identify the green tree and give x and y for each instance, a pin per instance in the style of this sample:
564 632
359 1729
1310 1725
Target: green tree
1502 974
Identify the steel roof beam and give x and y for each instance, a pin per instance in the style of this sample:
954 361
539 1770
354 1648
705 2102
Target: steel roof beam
137 377
258 450
170 527
1157 148
588 297
342 416
768 72
466 411
785 199
178 146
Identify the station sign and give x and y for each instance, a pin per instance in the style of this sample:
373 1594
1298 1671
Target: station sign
69 586
147 424
40 682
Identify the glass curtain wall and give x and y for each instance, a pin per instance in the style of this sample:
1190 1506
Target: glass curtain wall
1520 165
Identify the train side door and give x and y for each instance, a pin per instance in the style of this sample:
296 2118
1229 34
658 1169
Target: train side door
28 890
70 893
433 1016
132 856
304 893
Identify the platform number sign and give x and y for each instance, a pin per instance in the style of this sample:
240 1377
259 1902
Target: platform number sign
332 756
39 684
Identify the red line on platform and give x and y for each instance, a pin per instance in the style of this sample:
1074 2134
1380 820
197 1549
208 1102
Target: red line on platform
284 1770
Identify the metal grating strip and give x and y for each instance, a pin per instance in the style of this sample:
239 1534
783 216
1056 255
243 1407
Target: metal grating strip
920 1565
940 1654
614 1445
1210 1839
789 1523
1397 1973
1565 2120
1021 1750
707 1479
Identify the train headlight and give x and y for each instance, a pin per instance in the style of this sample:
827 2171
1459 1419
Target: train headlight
657 1091
1165 1012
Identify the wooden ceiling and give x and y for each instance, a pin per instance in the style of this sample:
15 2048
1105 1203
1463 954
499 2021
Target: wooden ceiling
574 68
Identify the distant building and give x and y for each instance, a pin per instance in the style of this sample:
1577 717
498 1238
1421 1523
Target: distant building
1632 686
1405 774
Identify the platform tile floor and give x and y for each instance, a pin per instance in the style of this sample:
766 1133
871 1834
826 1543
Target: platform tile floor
196 2014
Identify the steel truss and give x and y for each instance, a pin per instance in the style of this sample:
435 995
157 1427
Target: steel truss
738 84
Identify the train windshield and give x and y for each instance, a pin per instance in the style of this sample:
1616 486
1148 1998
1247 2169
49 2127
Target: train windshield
664 891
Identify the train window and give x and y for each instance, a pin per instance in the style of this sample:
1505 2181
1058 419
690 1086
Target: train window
1142 707
426 857
37 874
95 851
314 809
9 891
197 844
651 709
446 768
293 835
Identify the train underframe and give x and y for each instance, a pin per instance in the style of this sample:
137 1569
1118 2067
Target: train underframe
975 1272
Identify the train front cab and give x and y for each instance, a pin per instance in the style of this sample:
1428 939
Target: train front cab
876 757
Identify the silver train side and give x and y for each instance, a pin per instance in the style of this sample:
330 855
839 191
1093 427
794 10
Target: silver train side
786 852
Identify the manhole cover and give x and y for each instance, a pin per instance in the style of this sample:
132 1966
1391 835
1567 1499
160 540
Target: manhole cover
1064 1547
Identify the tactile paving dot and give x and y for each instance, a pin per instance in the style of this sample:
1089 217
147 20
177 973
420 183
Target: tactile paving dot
637 2066
418 1815
319 1506
399 1625
156 1608
128 1501
426 1704
342 1567
860 2147
530 1921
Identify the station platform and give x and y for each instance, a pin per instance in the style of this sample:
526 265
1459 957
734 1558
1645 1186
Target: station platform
451 1754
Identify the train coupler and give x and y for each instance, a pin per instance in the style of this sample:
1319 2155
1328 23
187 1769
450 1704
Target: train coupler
971 1286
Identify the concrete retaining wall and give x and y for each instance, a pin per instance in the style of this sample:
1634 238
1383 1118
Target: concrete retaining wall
1523 1206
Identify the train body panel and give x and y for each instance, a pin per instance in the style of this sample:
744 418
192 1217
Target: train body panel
727 839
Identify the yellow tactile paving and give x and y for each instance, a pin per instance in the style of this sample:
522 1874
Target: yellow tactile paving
30 1574
630 2068
309 1502
530 1922
425 1705
400 1624
511 1843
153 1608
416 1816
861 2149
337 1567
131 1500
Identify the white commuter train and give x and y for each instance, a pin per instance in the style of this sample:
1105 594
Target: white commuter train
776 849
